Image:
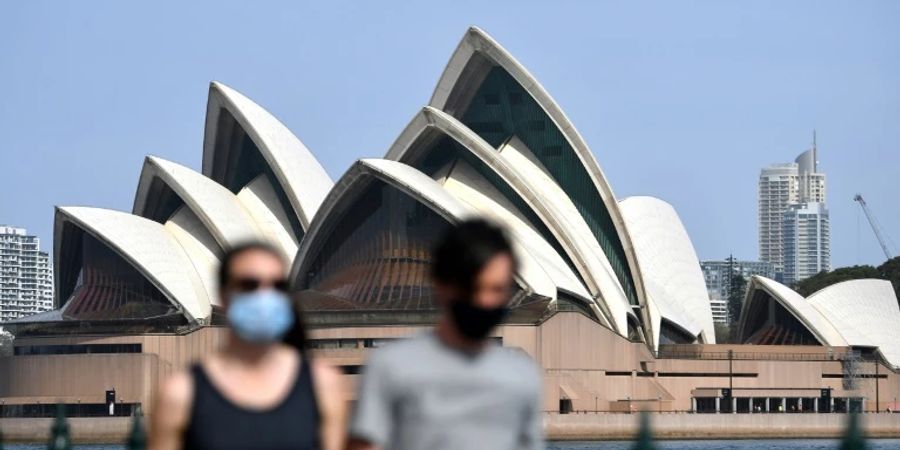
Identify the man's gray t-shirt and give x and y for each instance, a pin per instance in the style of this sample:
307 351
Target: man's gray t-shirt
419 394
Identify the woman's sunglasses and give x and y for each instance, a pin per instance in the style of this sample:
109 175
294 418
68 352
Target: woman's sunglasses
252 284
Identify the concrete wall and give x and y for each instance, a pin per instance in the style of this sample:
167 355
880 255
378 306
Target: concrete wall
556 426
584 362
597 369
78 378
106 430
84 378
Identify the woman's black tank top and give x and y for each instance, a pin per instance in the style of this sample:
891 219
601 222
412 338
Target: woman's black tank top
216 423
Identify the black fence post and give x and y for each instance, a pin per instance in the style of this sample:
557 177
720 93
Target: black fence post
138 438
853 437
645 436
59 435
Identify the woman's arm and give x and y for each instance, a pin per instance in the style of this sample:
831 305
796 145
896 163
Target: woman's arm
332 401
171 409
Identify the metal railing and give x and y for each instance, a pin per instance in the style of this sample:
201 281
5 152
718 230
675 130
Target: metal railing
60 435
760 356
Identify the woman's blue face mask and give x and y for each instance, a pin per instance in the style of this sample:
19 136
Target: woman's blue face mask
262 316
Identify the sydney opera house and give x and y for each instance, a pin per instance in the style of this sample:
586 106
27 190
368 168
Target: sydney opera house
610 299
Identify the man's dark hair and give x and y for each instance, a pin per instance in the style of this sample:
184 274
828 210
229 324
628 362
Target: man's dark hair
465 249
296 337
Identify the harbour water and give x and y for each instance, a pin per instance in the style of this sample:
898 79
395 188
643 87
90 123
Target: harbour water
774 444
746 444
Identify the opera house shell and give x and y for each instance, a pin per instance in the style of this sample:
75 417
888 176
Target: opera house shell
609 296
154 268
491 142
862 314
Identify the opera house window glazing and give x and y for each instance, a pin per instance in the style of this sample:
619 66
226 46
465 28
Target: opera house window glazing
378 255
110 288
501 109
772 324
443 157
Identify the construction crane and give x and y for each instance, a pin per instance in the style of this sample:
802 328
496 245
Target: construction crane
874 223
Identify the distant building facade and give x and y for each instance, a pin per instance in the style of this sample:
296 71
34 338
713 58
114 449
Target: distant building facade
26 278
715 274
781 187
807 246
811 183
719 309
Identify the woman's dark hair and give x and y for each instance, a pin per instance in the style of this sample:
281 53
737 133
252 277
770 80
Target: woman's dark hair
465 249
296 336
233 252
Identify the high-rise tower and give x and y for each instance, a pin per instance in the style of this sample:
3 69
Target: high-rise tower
811 188
26 280
782 186
807 241
779 187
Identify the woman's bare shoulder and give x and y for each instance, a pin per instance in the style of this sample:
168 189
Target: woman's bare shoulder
324 372
177 390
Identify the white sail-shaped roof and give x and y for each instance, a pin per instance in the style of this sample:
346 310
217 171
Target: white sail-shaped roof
467 186
600 275
856 313
431 123
671 268
297 172
147 246
216 207
810 317
425 190
865 312
475 58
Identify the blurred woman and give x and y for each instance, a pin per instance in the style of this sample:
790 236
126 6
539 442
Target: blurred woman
258 391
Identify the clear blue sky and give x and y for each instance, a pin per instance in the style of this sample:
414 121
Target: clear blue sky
685 101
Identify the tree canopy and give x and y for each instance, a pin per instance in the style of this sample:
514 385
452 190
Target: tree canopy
890 270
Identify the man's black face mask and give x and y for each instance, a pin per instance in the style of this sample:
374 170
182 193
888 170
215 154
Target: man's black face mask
475 322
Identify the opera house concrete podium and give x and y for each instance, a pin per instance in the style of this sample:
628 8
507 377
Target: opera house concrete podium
609 297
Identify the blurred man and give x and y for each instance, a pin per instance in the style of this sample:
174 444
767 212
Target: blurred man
258 392
451 388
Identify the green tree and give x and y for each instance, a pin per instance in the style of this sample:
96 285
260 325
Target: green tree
737 287
723 333
6 343
890 270
824 279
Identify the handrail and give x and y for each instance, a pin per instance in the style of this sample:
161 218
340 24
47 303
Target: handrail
772 356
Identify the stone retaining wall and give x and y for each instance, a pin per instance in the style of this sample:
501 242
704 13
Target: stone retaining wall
715 426
95 430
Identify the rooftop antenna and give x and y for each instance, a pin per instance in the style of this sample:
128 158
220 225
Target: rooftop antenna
815 153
